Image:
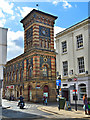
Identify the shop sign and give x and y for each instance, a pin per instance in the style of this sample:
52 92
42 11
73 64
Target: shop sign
38 86
58 82
75 79
10 87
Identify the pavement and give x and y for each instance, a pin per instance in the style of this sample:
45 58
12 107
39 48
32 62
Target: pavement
53 109
65 113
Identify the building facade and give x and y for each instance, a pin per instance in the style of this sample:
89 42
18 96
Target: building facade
72 60
3 56
33 73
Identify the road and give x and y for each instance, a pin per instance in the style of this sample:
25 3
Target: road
11 110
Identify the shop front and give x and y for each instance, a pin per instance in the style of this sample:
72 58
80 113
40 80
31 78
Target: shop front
68 90
9 91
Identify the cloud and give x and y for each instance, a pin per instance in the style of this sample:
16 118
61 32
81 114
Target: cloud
12 18
66 4
57 30
55 2
6 7
14 48
2 22
25 10
1 14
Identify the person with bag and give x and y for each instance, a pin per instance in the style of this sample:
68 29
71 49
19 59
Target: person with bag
85 103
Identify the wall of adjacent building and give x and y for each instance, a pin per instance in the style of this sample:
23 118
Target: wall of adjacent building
3 56
3 49
72 52
72 55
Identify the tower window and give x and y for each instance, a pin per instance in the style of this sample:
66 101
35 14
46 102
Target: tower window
45 71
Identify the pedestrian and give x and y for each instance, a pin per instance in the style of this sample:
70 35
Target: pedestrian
85 103
43 100
46 100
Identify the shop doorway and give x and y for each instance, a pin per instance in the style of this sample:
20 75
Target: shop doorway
65 94
46 91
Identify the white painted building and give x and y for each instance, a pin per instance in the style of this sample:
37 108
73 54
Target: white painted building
73 60
3 49
3 55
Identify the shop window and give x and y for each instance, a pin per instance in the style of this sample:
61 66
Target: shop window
82 91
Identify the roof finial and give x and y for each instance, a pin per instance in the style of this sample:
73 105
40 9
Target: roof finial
37 6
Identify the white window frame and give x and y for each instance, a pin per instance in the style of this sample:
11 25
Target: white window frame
81 67
79 41
64 46
65 66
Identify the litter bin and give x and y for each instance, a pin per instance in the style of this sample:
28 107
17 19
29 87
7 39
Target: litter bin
62 102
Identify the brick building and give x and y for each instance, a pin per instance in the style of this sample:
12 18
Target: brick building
33 73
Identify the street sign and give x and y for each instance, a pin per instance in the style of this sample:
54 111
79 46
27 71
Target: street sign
75 79
74 91
58 82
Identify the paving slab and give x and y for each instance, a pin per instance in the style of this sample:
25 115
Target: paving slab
64 113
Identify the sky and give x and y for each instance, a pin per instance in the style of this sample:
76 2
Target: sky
11 13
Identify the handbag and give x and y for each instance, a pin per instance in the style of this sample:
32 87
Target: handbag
84 107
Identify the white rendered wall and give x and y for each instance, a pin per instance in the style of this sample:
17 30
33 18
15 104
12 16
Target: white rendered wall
72 52
3 49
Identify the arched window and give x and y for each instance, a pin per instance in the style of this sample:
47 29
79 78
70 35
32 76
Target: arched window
21 75
82 90
45 71
17 75
13 76
30 71
7 77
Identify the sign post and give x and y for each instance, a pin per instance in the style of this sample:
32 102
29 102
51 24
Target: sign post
75 97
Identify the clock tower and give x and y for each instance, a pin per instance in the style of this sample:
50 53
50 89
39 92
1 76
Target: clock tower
40 64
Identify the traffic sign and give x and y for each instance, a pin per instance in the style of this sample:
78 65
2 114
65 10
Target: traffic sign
58 82
75 79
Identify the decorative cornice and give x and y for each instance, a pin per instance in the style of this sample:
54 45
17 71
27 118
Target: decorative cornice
72 28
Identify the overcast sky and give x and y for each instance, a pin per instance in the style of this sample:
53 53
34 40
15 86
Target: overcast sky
68 13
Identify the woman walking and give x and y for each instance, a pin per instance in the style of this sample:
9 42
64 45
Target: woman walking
85 103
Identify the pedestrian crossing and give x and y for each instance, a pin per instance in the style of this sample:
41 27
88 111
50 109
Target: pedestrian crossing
31 105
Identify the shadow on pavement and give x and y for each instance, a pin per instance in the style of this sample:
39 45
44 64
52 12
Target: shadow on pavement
13 115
